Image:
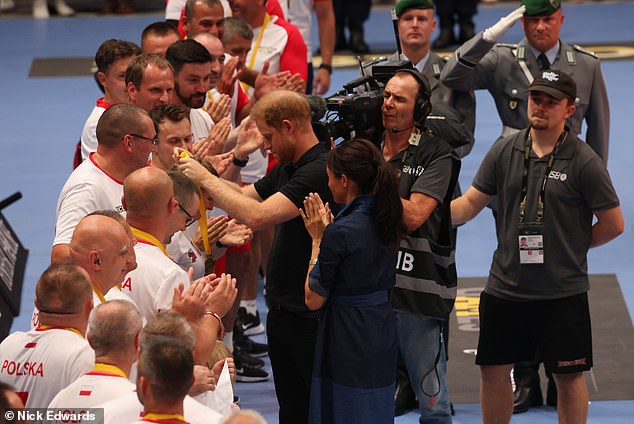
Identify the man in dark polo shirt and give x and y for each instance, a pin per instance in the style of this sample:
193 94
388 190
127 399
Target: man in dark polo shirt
550 186
283 118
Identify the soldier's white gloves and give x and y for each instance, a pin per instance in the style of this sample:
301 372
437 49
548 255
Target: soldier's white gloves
499 29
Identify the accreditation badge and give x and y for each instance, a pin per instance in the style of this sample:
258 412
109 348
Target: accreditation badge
531 244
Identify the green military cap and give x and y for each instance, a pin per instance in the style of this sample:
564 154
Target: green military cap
541 7
412 4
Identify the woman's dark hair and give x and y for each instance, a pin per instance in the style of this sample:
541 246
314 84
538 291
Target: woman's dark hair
362 163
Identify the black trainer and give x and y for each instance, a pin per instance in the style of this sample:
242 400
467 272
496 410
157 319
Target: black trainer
246 345
241 357
248 374
248 324
251 375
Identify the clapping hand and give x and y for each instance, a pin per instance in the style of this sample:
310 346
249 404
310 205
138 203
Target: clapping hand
316 216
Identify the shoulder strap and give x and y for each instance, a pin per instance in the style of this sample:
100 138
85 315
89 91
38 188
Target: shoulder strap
584 51
520 56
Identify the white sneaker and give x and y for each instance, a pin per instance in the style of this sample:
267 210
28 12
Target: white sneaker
63 9
40 9
6 5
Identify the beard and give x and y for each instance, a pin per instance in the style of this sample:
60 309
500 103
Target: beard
190 101
538 123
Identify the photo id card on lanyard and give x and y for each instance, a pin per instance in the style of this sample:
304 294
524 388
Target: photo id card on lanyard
530 234
531 244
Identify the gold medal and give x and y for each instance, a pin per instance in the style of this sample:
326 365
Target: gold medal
210 264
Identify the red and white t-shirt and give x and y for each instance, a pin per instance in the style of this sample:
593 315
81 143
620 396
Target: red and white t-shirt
89 133
41 362
127 408
103 383
151 285
281 44
89 188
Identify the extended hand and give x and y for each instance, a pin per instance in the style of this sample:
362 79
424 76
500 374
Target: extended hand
236 235
194 170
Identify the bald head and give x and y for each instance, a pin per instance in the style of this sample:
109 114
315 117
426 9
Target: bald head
245 416
207 39
103 248
94 232
147 192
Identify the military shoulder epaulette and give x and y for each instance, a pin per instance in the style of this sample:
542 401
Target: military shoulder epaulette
436 69
510 46
580 49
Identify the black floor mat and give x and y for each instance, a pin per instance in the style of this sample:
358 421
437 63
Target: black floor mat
612 377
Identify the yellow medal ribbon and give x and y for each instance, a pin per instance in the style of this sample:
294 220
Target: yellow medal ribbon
110 369
148 238
267 19
50 327
202 221
164 417
99 294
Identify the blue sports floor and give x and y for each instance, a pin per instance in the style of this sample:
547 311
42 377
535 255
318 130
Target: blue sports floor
41 120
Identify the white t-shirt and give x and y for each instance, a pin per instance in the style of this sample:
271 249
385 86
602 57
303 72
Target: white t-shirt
151 285
89 133
88 189
184 252
256 167
39 363
92 389
201 123
300 14
127 408
239 99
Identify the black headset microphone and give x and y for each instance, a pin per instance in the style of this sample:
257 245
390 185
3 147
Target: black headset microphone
422 106
398 130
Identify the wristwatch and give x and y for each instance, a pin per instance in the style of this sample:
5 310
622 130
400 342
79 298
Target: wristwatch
240 163
326 67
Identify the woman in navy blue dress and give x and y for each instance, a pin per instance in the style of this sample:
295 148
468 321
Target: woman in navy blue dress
352 267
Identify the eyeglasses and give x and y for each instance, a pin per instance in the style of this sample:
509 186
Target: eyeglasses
154 140
190 218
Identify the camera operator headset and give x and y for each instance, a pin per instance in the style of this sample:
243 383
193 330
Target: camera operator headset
425 252
422 107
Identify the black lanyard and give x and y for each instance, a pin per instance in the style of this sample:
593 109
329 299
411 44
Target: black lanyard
549 167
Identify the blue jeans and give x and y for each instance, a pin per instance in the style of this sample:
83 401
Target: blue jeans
420 342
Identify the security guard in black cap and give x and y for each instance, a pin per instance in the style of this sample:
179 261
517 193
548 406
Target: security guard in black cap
506 70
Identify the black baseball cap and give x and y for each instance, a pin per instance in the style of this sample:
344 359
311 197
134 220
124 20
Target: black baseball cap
555 83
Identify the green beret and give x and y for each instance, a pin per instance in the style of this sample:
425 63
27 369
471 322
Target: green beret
541 7
412 4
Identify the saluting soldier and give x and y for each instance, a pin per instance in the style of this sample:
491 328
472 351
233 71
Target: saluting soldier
506 70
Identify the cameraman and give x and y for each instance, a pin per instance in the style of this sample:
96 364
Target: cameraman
426 279
415 24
